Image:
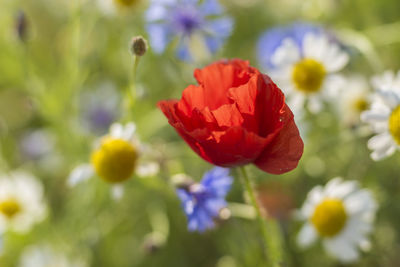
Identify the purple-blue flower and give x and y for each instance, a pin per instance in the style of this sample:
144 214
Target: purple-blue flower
271 39
100 108
203 201
196 24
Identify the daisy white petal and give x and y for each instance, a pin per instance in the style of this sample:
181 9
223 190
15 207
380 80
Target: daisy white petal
361 201
80 174
117 192
390 98
147 169
296 103
343 189
333 85
341 249
117 130
379 141
287 53
314 197
336 59
385 80
371 116
383 152
315 104
128 131
314 46
307 236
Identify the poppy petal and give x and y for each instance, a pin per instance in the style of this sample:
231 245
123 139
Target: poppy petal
218 78
284 151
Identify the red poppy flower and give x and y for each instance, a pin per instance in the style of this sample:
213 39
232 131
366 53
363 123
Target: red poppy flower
235 116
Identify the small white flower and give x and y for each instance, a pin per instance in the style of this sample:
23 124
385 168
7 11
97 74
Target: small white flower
354 100
116 157
384 116
21 202
341 214
45 256
309 71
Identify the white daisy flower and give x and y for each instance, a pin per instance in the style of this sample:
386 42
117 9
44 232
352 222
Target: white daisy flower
386 80
309 71
384 116
115 159
354 100
45 256
341 214
21 202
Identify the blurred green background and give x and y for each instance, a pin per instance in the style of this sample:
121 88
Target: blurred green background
72 48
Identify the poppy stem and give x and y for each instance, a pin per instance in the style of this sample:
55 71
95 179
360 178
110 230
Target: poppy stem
269 227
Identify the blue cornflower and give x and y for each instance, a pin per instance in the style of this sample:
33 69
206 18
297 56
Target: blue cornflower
272 39
203 201
200 26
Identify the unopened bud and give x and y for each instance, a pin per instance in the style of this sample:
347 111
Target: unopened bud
138 46
153 242
21 26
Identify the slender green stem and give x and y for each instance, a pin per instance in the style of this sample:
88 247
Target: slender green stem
269 228
131 89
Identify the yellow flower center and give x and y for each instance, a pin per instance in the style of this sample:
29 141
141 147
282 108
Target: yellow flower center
115 160
329 217
10 207
394 124
126 3
360 104
308 75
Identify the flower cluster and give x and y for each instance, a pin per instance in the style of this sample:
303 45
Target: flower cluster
74 122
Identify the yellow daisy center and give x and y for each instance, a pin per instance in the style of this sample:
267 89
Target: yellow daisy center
360 104
126 3
394 124
10 207
329 217
115 160
308 75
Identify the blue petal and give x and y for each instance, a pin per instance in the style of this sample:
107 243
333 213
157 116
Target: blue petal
182 51
267 44
200 221
183 195
164 2
214 206
300 29
217 31
217 181
221 27
156 13
189 2
158 36
211 7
